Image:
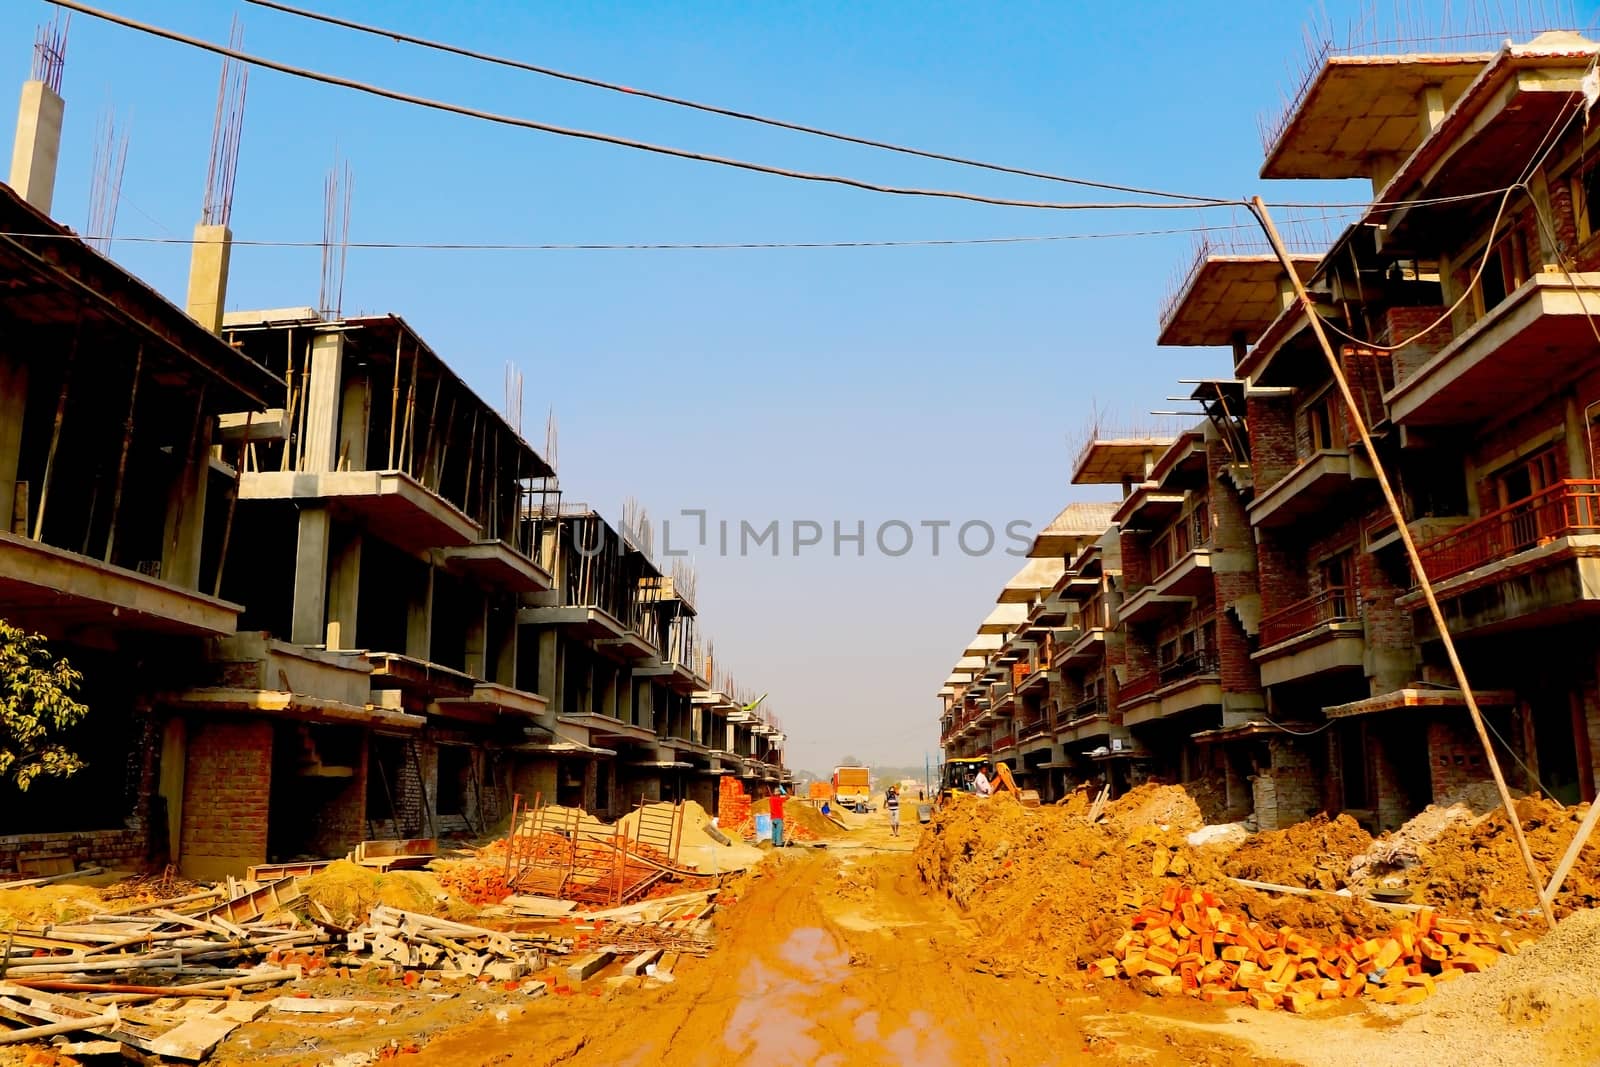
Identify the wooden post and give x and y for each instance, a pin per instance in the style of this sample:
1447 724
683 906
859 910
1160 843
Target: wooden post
1445 638
394 400
1585 828
233 505
444 447
427 444
55 433
408 433
289 411
122 459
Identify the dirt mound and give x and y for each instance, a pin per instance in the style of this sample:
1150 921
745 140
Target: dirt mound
799 815
1314 854
1477 864
349 891
34 906
1052 892
1167 806
1405 848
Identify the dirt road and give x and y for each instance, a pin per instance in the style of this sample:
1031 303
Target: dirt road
836 957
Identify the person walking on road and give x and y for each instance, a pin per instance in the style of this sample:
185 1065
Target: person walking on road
775 805
891 804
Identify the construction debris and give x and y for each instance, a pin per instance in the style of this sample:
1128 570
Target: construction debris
1189 944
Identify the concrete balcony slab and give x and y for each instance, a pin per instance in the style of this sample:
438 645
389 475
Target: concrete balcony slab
395 505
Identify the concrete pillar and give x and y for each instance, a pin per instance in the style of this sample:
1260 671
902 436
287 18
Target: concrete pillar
477 642
208 275
184 534
13 404
310 577
324 403
1433 108
344 589
504 653
551 681
355 417
38 144
1577 435
419 618
174 760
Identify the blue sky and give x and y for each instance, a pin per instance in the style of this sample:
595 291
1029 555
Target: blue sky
867 384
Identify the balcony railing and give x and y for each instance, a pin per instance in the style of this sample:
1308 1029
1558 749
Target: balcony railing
1567 507
1095 705
1037 728
1188 665
1137 688
1334 604
1004 742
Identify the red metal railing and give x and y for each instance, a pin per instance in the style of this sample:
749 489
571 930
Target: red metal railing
1136 688
1567 507
1004 742
1334 604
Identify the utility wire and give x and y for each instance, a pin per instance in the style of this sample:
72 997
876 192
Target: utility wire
715 109
657 246
606 138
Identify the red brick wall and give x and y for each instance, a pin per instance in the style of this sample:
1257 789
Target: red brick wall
227 780
1272 439
1401 323
342 822
1388 625
103 848
1231 533
1280 573
1135 563
1455 758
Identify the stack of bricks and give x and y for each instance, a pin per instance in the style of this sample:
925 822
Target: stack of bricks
733 807
1188 945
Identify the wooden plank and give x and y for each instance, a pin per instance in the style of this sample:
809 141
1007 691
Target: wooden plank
52 879
585 966
539 906
330 1006
39 1033
644 959
193 1039
1585 828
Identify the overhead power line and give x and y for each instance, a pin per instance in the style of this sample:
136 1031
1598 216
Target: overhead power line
606 138
715 109
654 246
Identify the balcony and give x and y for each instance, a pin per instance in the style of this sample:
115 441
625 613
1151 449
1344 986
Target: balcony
1137 690
1319 634
1089 647
1030 731
1565 509
1320 480
406 512
1174 588
1536 561
1537 336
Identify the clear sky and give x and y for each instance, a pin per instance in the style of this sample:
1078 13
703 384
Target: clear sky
911 384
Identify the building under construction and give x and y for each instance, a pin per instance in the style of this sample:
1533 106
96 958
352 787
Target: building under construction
320 592
1247 618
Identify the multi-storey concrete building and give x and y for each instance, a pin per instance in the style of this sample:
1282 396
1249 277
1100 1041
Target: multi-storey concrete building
1307 674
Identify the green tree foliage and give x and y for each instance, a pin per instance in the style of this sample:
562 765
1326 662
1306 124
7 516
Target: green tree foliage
36 709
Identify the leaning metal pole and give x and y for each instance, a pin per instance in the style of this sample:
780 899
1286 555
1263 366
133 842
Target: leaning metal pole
1262 216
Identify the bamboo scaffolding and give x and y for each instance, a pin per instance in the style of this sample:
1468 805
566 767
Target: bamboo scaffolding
122 458
233 506
55 434
394 401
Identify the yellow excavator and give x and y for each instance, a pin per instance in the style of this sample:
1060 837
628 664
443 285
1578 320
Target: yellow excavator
955 779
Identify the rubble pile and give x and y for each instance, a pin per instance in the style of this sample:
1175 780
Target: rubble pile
1315 854
1189 944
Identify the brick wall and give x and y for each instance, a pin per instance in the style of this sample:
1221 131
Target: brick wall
1391 637
90 848
1291 789
1400 323
733 804
535 779
1233 573
1135 563
227 782
341 823
1272 439
1455 758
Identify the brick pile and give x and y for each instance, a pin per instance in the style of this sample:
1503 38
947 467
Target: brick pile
1188 944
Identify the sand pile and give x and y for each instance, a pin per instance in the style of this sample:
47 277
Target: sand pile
1477 864
35 906
1167 806
697 849
1314 854
349 891
801 816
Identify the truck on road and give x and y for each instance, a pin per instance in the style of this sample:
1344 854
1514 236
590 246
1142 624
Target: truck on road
852 788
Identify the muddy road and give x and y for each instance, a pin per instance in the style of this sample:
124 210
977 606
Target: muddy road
837 957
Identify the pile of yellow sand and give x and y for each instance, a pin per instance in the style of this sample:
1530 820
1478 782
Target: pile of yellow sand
697 849
350 891
34 906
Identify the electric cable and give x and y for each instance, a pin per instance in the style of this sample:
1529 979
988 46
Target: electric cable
607 138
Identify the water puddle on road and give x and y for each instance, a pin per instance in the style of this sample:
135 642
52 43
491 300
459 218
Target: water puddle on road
790 1012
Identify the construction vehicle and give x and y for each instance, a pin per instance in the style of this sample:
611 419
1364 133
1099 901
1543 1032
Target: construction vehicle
852 788
953 774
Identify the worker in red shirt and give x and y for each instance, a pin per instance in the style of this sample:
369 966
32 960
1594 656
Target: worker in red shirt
775 805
